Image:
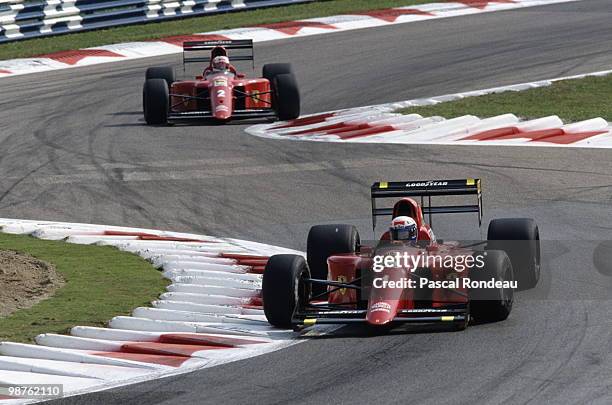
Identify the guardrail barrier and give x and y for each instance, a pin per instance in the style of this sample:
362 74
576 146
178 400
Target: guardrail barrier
38 18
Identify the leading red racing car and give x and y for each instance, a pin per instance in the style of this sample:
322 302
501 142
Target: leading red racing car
220 92
344 281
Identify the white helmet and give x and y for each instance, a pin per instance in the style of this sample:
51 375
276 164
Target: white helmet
220 63
403 228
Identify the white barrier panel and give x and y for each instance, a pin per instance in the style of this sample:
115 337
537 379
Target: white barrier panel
192 307
172 274
218 281
213 289
70 369
186 316
76 356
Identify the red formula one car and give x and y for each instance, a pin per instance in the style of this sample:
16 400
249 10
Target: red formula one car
426 279
220 92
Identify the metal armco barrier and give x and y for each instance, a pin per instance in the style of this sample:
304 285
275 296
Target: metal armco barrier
39 18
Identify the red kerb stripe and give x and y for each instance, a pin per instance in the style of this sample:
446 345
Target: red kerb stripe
492 134
315 119
173 361
319 129
391 15
202 339
367 132
241 256
167 349
293 27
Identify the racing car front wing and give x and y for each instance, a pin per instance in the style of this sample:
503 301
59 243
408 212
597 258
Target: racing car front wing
245 114
454 314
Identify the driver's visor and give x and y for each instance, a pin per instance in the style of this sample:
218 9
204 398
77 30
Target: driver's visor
406 233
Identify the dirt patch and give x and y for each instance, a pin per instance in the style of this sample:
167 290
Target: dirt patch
24 281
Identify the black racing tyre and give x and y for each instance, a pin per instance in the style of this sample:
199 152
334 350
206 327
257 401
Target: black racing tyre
491 304
520 239
271 70
155 101
161 72
325 241
284 290
286 97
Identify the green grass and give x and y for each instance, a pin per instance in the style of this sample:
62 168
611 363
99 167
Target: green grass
33 47
101 282
572 100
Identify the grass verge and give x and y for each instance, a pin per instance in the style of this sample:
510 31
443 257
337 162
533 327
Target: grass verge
101 282
572 100
39 46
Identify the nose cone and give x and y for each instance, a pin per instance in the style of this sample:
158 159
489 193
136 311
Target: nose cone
385 295
221 98
222 111
381 312
383 304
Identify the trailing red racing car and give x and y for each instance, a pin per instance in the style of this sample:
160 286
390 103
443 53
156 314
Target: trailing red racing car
408 276
220 92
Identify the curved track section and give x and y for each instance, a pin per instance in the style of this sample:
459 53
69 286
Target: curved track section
381 124
76 150
211 313
261 33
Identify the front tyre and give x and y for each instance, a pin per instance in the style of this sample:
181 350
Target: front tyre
325 241
156 101
520 239
271 70
161 72
286 97
284 288
492 304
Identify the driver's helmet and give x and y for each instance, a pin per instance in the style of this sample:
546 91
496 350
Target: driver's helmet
403 228
220 63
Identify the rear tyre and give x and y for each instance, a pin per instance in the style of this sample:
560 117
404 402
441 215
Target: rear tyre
492 304
520 239
271 70
284 289
156 101
286 97
325 241
161 72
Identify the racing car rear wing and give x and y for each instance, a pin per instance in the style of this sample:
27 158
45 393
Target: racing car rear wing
208 46
428 188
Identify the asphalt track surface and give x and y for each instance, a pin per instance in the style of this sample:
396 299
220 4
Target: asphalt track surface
75 149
